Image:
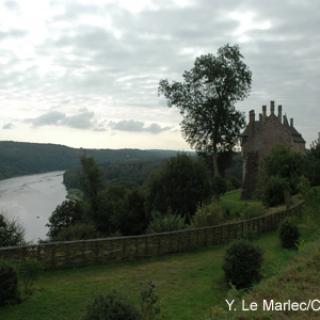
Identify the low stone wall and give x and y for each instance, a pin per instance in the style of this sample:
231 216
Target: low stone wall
96 251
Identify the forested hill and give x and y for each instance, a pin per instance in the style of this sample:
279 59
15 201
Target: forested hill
21 158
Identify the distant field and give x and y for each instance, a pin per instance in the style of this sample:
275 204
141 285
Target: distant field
189 284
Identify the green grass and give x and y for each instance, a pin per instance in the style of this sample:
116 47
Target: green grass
188 284
231 201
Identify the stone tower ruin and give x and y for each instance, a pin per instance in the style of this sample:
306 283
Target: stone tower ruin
258 139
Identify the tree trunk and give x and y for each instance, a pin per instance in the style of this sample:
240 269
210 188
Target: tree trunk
216 172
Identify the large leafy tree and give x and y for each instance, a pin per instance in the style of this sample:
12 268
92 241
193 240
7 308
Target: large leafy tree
206 100
179 187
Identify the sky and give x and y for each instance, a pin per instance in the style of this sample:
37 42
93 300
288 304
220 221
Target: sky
86 73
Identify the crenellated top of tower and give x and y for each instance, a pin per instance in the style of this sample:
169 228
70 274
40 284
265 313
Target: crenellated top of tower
256 126
263 116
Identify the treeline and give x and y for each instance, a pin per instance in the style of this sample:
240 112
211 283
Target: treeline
135 197
129 173
20 158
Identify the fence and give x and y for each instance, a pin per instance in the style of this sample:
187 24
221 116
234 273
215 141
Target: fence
85 252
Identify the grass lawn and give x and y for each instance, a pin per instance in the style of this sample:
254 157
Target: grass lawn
188 284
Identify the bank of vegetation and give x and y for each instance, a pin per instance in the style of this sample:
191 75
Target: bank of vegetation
22 158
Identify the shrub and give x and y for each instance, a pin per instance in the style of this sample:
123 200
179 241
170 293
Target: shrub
285 163
274 190
79 231
67 213
29 272
219 186
8 284
252 210
150 304
110 307
242 263
208 215
289 235
167 222
11 233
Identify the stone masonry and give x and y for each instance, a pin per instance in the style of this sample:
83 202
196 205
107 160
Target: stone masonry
258 139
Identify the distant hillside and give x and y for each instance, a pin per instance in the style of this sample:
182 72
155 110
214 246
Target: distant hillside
21 158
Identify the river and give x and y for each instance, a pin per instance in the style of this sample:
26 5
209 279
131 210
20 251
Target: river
31 199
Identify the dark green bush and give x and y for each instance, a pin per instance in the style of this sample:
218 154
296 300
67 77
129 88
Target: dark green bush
29 272
9 293
167 222
79 231
219 186
150 303
273 191
289 235
208 215
110 307
242 263
11 232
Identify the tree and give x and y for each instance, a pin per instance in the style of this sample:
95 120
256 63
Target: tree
110 209
91 180
206 100
66 214
312 164
11 232
286 164
134 219
179 186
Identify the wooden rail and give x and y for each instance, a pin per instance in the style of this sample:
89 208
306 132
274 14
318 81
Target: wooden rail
85 252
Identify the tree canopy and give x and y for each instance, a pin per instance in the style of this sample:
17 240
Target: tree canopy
206 99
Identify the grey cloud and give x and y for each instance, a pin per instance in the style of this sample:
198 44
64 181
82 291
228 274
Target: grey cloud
8 126
82 120
284 59
50 118
137 126
15 33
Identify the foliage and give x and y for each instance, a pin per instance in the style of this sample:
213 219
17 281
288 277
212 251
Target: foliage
110 209
304 186
242 264
150 303
91 180
312 163
286 164
219 186
9 293
21 158
66 214
167 222
134 219
110 307
180 185
274 190
78 231
312 199
11 233
206 99
289 235
29 271
208 215
253 210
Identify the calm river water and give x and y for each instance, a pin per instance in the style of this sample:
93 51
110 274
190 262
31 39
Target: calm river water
31 200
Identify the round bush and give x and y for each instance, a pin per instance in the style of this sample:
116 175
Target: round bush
242 264
110 307
289 235
273 191
8 285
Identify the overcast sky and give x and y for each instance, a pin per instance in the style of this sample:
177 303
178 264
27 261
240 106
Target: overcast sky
86 73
